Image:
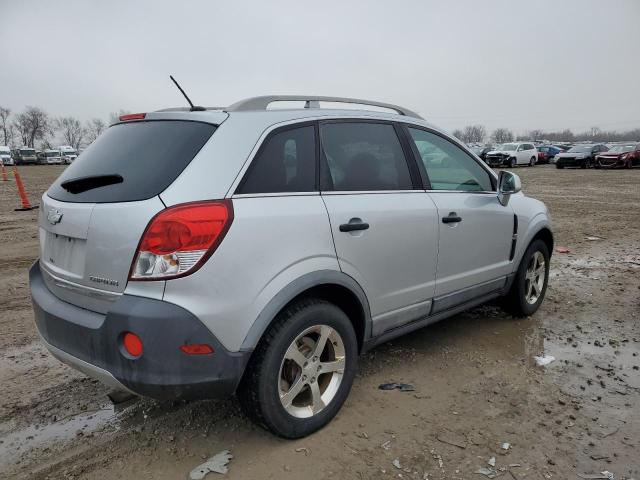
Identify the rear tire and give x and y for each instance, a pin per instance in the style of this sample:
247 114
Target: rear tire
281 390
530 283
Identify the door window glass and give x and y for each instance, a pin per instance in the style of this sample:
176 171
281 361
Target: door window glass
363 157
448 166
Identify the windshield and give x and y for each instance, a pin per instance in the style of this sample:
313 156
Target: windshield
51 154
27 151
507 147
477 150
580 149
621 148
69 152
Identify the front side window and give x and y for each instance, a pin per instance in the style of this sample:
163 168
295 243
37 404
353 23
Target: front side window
363 157
285 163
447 165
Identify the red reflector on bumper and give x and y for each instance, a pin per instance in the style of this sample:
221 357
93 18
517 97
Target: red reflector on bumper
132 344
197 349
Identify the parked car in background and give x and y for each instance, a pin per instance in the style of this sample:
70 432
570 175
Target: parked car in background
68 153
563 146
50 157
5 155
512 154
25 156
481 151
583 156
619 156
145 242
547 153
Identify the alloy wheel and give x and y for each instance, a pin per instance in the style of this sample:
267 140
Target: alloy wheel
311 371
534 278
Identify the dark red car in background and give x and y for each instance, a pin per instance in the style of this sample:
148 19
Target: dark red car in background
620 156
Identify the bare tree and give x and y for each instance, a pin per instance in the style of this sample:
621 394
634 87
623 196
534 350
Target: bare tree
94 127
535 134
459 134
595 133
6 126
21 125
72 131
474 134
33 124
502 135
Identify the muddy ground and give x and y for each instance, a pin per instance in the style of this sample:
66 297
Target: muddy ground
477 385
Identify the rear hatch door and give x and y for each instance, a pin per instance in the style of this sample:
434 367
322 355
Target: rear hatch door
93 216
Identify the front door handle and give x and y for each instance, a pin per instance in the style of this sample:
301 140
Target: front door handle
452 218
354 226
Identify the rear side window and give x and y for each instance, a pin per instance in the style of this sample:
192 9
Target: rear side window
363 157
132 161
285 163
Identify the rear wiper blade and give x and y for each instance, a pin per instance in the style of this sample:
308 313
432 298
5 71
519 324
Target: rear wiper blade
82 184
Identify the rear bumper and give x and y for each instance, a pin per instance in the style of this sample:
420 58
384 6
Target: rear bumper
91 343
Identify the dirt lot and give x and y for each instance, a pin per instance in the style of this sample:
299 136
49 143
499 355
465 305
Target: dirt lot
477 385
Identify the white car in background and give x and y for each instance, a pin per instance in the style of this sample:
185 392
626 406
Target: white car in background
512 154
51 157
69 154
5 155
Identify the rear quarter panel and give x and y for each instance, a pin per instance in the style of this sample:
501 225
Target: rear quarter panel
273 241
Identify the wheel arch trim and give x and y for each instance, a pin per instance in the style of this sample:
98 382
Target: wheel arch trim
298 287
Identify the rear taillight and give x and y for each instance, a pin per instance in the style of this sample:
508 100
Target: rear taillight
180 239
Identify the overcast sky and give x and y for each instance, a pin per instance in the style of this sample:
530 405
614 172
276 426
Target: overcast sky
521 64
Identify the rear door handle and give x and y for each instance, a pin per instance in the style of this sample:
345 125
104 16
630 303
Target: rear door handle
452 218
352 227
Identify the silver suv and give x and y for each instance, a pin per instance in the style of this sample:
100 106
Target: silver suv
201 253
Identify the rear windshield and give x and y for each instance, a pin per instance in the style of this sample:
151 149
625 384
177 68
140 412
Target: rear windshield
132 161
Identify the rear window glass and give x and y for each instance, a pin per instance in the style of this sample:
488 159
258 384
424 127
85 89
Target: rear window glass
132 161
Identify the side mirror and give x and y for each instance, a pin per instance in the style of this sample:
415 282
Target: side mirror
508 184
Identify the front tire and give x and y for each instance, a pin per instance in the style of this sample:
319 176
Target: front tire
530 283
532 162
302 370
512 162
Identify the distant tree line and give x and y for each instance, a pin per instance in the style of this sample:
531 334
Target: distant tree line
478 134
35 127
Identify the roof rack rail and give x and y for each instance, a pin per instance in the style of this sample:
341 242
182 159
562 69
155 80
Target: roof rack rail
311 101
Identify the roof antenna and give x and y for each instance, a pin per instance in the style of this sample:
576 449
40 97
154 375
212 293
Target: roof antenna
194 108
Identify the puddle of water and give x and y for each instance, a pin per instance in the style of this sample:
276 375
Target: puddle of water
611 364
34 436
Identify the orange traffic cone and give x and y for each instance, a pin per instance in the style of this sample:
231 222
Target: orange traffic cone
23 194
4 173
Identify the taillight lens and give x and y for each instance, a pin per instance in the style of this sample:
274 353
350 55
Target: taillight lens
180 239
